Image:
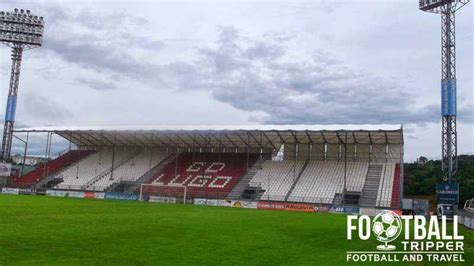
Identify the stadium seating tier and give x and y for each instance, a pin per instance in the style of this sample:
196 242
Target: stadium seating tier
320 181
43 170
131 169
79 174
209 175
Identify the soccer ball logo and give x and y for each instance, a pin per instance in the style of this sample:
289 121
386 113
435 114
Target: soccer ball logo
387 226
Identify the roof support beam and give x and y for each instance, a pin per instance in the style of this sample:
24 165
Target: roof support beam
148 139
219 140
194 140
181 140
378 138
129 141
340 140
281 138
154 137
170 140
231 141
100 141
139 140
72 138
354 138
293 133
207 140
324 137
269 140
126 143
309 137
258 142
102 135
240 137
82 136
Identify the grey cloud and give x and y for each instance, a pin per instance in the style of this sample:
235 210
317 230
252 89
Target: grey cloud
43 109
466 112
91 55
320 90
100 58
248 74
97 84
264 51
252 75
18 124
109 21
133 41
106 42
324 6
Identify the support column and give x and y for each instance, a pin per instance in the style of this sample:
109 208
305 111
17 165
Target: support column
345 168
46 153
11 104
448 93
24 154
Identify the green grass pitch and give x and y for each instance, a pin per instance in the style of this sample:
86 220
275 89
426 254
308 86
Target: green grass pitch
37 230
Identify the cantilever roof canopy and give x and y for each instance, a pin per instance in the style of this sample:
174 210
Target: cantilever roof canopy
253 136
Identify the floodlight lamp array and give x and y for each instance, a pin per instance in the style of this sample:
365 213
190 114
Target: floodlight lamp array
437 6
21 28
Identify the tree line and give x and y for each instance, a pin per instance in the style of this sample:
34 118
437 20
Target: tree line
422 176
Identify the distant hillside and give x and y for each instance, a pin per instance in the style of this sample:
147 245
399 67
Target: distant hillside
421 177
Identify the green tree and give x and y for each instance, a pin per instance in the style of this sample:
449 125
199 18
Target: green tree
421 179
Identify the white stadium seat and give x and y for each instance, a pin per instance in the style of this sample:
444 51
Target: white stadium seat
384 196
277 178
320 181
79 174
130 170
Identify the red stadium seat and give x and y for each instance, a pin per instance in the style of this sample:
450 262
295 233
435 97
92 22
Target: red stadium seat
48 168
208 175
396 188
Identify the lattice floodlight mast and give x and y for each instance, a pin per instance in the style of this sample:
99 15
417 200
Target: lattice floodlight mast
447 9
19 30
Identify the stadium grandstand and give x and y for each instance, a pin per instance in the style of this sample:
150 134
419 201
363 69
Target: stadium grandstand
331 164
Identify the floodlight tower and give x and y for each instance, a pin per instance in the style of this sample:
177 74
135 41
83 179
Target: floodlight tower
19 30
447 9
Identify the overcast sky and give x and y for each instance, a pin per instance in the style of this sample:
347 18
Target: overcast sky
243 62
